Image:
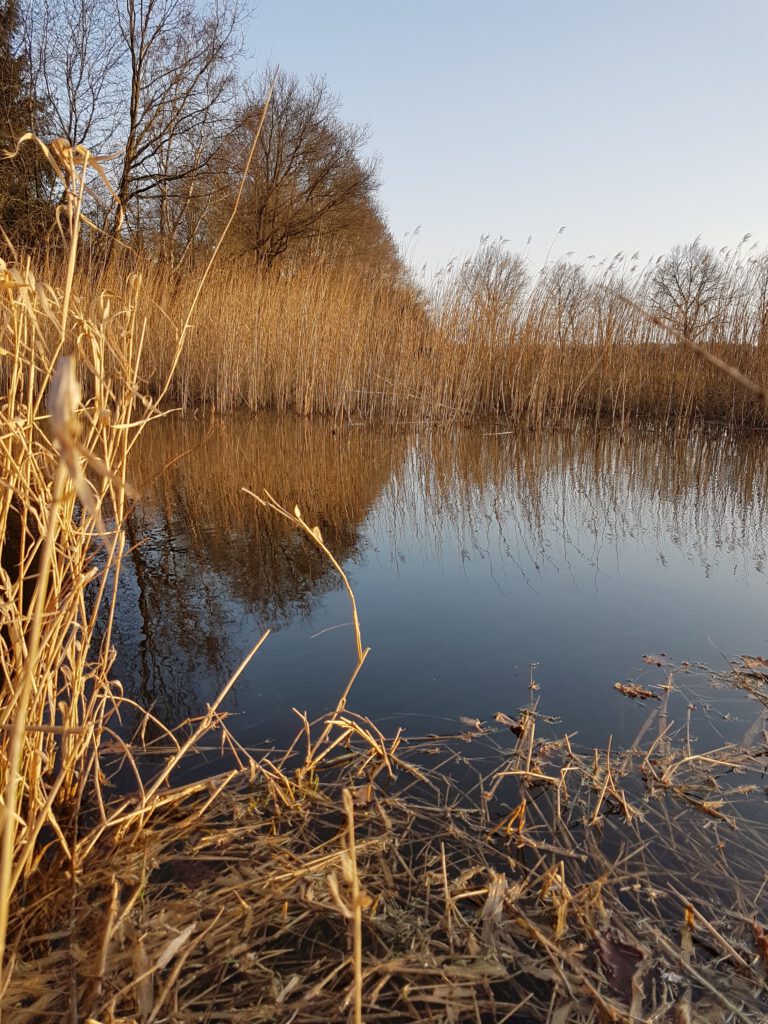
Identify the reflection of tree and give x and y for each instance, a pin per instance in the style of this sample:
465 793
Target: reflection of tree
207 563
203 556
183 615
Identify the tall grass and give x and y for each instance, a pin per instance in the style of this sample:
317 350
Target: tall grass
63 501
574 343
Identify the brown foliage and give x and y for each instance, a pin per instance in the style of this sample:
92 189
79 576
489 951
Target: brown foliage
310 190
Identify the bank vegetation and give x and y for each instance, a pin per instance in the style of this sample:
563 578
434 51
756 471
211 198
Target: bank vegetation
310 308
352 875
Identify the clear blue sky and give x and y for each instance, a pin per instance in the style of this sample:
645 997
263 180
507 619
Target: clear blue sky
635 123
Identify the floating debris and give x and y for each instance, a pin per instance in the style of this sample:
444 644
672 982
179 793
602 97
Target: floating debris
636 691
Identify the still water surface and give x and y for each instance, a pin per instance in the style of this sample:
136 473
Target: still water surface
473 557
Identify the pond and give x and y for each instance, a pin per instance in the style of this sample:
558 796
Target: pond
481 561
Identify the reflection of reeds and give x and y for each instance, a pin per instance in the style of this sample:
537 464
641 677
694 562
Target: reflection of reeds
201 549
202 555
706 488
701 491
337 476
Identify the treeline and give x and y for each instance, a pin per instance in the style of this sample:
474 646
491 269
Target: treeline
156 89
693 293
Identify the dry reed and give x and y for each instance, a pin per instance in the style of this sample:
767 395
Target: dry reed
63 502
442 878
320 340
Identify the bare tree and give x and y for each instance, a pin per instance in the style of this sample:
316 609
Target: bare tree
492 285
79 69
180 72
152 79
310 186
687 288
565 295
155 82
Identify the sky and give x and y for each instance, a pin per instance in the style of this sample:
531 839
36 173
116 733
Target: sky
636 124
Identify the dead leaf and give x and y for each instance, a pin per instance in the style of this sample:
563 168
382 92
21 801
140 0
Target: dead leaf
563 1014
621 962
493 908
515 724
636 691
761 941
145 987
174 946
760 663
362 795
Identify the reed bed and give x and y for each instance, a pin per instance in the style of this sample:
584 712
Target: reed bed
575 343
494 874
353 876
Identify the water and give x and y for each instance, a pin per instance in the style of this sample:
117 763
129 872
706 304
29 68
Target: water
479 562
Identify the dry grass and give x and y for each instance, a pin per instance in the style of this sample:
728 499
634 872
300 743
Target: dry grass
317 340
576 343
445 878
63 502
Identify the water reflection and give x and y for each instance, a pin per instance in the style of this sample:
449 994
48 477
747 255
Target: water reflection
472 556
551 499
205 561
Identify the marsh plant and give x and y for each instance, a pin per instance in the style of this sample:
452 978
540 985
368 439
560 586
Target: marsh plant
490 340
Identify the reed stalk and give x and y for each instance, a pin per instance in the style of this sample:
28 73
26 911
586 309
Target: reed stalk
325 340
